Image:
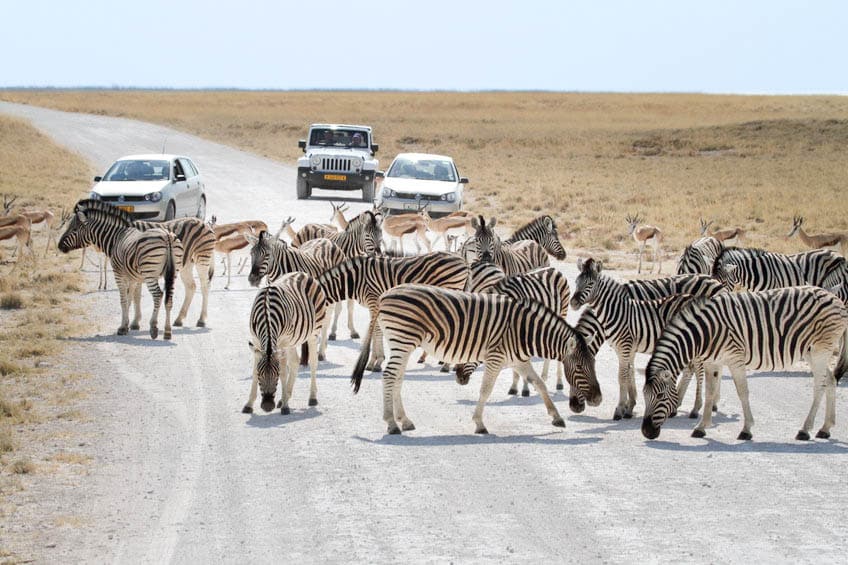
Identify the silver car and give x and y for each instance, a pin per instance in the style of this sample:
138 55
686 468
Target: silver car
153 187
418 179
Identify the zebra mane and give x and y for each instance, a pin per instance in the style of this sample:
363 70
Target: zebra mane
522 231
88 205
360 220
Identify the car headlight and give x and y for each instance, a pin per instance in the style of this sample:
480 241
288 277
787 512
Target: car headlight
153 197
450 197
356 162
94 196
388 192
315 160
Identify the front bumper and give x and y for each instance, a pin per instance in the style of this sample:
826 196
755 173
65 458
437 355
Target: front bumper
434 207
140 209
334 180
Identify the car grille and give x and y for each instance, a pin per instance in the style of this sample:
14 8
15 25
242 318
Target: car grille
124 198
341 164
415 196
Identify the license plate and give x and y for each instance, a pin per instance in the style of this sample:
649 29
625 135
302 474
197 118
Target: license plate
128 209
335 177
410 207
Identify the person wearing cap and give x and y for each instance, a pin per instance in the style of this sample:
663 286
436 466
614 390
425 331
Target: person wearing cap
356 140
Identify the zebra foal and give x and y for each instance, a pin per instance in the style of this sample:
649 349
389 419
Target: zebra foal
136 256
764 331
284 315
462 327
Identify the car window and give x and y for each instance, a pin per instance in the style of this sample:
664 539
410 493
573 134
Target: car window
187 168
178 169
339 137
137 170
192 168
423 170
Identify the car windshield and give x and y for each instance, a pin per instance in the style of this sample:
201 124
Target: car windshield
138 170
424 169
339 137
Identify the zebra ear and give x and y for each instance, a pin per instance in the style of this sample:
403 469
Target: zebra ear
475 223
492 223
81 216
549 223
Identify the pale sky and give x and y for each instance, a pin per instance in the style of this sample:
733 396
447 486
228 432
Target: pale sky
719 46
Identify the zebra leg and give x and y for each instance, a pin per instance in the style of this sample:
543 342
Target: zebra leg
526 370
248 408
124 294
395 369
624 362
156 292
830 408
683 386
741 382
711 386
399 411
631 388
525 390
820 384
513 390
187 276
423 356
313 368
337 311
135 300
288 374
699 385
559 383
322 345
488 382
102 271
378 354
205 276
351 305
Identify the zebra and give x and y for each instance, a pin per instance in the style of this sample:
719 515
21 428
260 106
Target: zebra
366 278
766 330
633 315
543 231
756 269
284 315
699 256
486 246
198 240
462 327
821 267
273 257
135 255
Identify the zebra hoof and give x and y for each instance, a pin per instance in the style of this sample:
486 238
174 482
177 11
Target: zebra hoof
445 368
628 414
559 386
122 331
616 416
694 414
746 436
285 410
673 414
322 357
699 433
525 393
408 426
166 335
354 335
715 408
823 434
559 422
154 332
279 404
802 436
135 327
481 430
331 337
512 392
377 369
394 430
247 410
201 324
421 359
313 402
178 323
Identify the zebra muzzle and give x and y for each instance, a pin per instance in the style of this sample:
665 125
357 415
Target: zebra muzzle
267 402
649 430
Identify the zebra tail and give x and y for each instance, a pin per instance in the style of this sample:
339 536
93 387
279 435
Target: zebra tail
304 354
170 270
211 268
359 368
842 366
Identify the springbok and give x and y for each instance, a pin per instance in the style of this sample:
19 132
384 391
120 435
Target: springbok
454 221
231 237
18 227
7 204
400 225
728 236
338 214
645 235
835 241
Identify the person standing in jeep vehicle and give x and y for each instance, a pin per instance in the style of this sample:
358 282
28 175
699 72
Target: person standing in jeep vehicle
337 157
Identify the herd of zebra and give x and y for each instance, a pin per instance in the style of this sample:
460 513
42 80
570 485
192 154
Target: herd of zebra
498 303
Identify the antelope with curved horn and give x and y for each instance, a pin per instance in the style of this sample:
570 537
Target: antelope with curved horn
338 214
7 204
285 227
450 223
232 237
728 236
645 235
400 225
835 241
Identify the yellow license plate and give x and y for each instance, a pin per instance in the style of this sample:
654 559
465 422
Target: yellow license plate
126 208
335 177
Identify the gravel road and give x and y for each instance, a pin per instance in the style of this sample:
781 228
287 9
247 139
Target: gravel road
181 475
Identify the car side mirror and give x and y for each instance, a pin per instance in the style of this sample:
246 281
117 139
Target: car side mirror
302 144
380 174
98 179
374 148
180 177
463 180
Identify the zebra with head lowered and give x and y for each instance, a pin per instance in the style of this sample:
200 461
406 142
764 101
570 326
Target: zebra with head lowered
486 246
765 331
462 327
756 269
699 256
284 315
366 278
136 256
633 315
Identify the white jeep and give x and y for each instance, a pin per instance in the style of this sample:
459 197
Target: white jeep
337 157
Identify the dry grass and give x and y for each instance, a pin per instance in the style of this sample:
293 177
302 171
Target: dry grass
588 159
22 466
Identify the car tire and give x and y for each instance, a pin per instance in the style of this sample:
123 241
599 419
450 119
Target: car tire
201 208
304 191
368 192
171 212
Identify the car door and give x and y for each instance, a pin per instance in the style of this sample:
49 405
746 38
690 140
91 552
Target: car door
180 188
193 188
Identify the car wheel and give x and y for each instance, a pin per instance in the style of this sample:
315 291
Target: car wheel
201 208
368 192
171 212
304 191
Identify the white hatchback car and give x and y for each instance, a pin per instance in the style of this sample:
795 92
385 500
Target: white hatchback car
418 179
153 187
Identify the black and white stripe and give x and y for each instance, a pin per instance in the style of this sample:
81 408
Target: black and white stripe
543 231
485 246
763 331
699 256
136 256
284 315
462 327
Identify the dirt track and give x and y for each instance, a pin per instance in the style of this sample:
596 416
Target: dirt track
181 475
